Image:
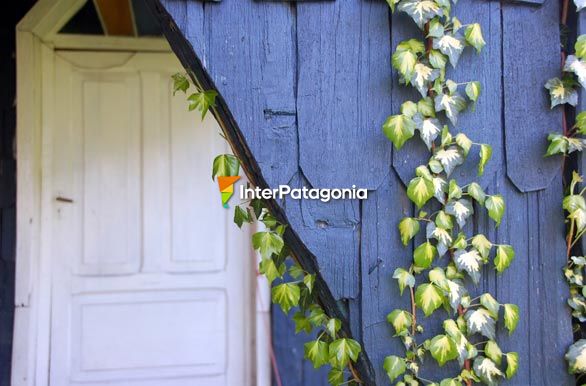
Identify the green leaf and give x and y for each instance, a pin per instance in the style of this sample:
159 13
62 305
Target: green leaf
464 142
342 351
578 67
451 45
426 108
408 228
309 281
454 191
487 370
469 261
437 59
336 376
449 158
401 320
429 298
504 257
512 364
424 255
436 29
479 321
473 35
581 123
317 317
450 382
493 352
286 295
496 207
202 101
461 210
180 83
443 349
317 352
490 303
451 104
241 216
394 366
267 243
421 11
482 245
301 323
443 220
561 92
455 293
404 62
485 154
511 317
473 90
333 326
268 268
399 129
476 192
580 46
404 278
420 190
423 76
225 165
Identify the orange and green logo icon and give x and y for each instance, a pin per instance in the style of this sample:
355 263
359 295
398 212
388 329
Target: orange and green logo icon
226 185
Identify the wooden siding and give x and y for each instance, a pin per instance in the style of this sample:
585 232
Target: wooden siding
309 85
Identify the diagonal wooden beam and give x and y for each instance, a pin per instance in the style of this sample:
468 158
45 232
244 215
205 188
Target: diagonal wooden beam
116 17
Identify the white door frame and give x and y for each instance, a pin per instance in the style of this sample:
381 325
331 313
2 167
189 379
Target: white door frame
36 41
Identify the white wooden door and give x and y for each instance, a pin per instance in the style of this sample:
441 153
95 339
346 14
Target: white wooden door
150 280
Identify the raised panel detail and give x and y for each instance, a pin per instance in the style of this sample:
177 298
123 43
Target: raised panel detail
148 334
111 181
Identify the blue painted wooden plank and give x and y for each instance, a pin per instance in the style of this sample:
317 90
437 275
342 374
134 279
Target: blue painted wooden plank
528 63
343 92
481 125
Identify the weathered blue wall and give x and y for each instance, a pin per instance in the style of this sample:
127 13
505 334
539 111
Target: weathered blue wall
309 85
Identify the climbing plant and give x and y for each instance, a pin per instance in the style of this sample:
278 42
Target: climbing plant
563 92
292 286
449 257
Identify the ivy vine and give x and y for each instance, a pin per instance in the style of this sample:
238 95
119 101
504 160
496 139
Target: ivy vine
449 258
563 92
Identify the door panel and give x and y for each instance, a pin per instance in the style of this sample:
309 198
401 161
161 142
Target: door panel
151 282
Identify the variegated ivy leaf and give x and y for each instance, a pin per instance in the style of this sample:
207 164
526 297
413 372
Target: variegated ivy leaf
404 278
421 11
460 242
399 129
409 109
424 254
461 210
490 303
504 257
454 191
443 237
578 67
422 76
576 357
512 364
451 104
404 62
400 320
437 59
443 220
580 4
473 35
496 207
437 276
420 190
450 382
440 187
580 46
511 317
394 367
464 142
429 129
473 92
426 108
408 228
464 348
436 29
451 45
443 349
449 158
561 92
455 293
487 370
479 321
429 298
557 144
576 206
493 352
476 192
575 144
469 261
482 245
485 154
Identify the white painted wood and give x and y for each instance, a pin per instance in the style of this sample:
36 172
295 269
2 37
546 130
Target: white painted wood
149 281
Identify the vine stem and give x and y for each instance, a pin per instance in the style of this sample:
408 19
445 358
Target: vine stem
413 312
354 374
569 239
467 366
